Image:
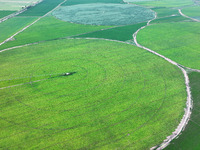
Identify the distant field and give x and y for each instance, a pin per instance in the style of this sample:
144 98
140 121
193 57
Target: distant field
193 12
162 3
104 14
164 12
15 4
49 28
123 33
75 2
11 26
189 139
42 8
170 19
177 41
5 13
118 97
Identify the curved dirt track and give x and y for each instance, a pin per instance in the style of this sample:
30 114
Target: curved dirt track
188 108
180 12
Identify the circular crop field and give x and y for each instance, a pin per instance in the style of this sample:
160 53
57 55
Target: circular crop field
115 96
104 14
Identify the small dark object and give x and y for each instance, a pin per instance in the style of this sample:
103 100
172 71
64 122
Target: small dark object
68 73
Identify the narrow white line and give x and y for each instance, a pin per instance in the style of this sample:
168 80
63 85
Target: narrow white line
180 12
17 13
188 108
10 38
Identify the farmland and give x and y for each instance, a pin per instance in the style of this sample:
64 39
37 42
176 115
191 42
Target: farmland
100 74
63 110
182 49
15 4
5 13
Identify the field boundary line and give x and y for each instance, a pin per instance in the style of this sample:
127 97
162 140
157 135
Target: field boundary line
188 109
10 38
182 14
18 12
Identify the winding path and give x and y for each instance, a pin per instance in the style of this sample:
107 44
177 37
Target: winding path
180 12
188 108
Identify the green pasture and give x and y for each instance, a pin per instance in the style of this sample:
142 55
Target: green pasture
122 33
118 97
177 41
162 3
11 26
4 13
189 139
49 28
75 2
15 4
164 12
104 14
193 12
42 8
172 19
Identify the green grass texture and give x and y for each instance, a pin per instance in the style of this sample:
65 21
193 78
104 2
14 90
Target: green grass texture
170 19
177 41
4 13
49 28
104 14
123 33
42 8
193 12
164 12
189 139
118 97
163 3
75 2
11 26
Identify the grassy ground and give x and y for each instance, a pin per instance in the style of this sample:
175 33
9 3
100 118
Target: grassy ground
193 12
164 12
104 14
75 2
189 139
49 28
170 19
119 96
15 4
123 33
177 41
42 8
11 26
162 3
5 13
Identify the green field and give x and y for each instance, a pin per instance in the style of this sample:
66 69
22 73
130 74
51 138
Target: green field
177 41
104 14
15 4
162 3
5 13
75 2
164 12
49 28
193 12
118 96
123 33
11 26
170 19
189 139
42 8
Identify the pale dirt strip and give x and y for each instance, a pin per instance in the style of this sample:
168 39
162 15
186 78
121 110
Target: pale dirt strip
188 109
17 13
10 38
180 12
21 84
